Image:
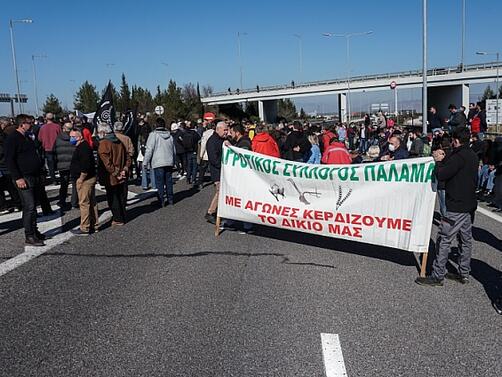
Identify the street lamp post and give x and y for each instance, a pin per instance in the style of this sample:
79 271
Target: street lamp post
497 54
240 56
300 51
424 68
463 35
347 37
35 87
11 27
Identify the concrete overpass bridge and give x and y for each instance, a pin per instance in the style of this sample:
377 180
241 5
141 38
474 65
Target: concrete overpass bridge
445 85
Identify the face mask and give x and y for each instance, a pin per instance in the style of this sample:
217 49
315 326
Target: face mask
73 140
392 148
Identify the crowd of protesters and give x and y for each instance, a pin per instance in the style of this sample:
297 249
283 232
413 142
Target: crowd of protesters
37 152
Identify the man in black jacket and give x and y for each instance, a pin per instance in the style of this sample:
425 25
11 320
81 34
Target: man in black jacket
296 144
434 121
457 118
25 166
459 171
63 152
214 149
190 143
6 184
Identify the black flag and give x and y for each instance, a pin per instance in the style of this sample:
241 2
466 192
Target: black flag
106 111
130 122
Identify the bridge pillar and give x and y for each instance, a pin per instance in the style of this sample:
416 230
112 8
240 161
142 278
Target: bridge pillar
267 110
441 97
342 107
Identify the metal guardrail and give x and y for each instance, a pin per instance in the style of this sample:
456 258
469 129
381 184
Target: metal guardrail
404 74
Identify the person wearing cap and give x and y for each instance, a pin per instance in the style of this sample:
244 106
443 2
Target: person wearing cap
113 169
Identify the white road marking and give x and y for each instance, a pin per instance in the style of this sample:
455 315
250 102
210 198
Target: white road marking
53 228
334 365
490 214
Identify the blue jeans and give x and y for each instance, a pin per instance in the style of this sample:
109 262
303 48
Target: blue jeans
192 167
442 202
362 145
145 178
164 183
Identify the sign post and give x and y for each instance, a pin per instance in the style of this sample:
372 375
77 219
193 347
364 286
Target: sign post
159 110
393 86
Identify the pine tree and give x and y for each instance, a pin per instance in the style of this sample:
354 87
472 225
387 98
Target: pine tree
52 105
303 115
173 102
488 94
143 98
124 102
286 109
86 98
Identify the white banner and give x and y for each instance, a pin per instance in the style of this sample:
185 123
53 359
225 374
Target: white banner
385 203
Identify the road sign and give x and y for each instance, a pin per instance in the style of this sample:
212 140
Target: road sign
393 84
491 110
159 110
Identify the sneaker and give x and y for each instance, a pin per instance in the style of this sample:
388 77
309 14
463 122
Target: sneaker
40 236
458 278
33 241
4 211
227 227
117 223
431 281
79 232
497 305
211 218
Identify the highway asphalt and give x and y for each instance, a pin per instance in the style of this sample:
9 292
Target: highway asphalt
162 296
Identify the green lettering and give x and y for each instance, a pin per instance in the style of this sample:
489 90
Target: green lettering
382 174
369 169
417 172
286 172
405 173
393 174
430 172
353 174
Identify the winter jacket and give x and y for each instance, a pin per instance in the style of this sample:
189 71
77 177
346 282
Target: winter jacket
214 148
178 141
113 158
244 143
296 139
126 140
190 140
203 141
160 149
459 171
417 148
265 144
63 151
326 139
457 119
21 156
336 154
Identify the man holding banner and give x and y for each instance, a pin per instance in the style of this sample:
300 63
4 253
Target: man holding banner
459 172
214 152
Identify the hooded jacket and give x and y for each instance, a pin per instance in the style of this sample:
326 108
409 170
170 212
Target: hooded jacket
336 154
265 144
160 149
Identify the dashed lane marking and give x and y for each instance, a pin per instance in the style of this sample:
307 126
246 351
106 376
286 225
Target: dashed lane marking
334 365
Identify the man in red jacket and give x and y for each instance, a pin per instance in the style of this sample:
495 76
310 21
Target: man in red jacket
47 136
264 143
336 153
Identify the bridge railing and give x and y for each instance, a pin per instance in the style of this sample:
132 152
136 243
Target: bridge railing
403 74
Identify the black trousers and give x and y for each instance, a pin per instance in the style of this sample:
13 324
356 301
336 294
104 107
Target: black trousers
117 201
6 184
203 166
29 197
65 180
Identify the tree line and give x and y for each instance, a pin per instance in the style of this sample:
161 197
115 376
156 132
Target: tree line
178 102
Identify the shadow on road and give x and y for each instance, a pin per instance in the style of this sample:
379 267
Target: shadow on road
489 277
401 257
482 235
284 259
